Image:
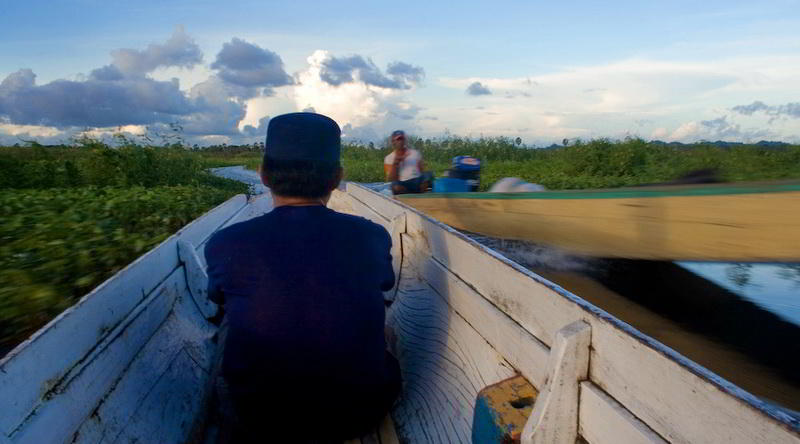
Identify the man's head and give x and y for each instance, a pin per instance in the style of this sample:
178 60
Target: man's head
398 140
301 155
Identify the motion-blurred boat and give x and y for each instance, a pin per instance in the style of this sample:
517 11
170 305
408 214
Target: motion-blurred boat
708 222
136 359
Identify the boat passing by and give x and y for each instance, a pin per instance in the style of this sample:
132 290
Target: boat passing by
489 352
755 222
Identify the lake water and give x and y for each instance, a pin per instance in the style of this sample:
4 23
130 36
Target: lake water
741 321
774 287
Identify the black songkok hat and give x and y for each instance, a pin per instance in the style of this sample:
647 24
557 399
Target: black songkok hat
303 136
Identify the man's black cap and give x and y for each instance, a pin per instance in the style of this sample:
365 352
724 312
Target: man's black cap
303 136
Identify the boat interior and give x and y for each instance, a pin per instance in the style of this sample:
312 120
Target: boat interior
489 351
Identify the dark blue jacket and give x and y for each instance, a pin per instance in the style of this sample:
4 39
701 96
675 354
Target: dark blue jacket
302 290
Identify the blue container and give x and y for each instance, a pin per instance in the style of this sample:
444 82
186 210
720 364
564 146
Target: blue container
466 163
450 185
466 168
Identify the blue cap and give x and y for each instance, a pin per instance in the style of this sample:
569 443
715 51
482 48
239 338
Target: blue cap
303 136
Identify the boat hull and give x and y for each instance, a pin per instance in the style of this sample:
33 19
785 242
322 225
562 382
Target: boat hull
135 360
709 222
132 361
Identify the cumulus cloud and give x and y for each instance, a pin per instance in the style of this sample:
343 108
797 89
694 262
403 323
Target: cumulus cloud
404 72
180 50
94 102
260 130
117 94
363 111
717 129
123 93
248 65
354 69
478 89
216 109
790 110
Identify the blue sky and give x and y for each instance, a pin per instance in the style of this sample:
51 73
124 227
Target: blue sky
542 71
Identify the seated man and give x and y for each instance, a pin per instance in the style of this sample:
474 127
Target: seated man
404 167
305 355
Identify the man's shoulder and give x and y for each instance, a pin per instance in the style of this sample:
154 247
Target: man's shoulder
359 223
238 231
389 158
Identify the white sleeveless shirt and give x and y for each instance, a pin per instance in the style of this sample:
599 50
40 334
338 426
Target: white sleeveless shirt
409 167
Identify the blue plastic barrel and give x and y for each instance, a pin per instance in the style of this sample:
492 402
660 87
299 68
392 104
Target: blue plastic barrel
450 185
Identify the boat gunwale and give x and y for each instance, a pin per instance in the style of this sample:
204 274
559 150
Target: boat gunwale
772 411
80 302
55 377
648 192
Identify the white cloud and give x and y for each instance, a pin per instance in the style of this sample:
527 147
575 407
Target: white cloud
363 110
631 96
717 129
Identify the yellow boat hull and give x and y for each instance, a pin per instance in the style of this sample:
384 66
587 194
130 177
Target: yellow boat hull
709 222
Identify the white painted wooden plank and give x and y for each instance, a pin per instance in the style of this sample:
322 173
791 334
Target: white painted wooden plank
202 228
554 419
604 420
114 411
527 297
526 353
167 414
32 368
184 331
444 364
340 201
363 210
398 228
382 204
256 206
675 397
541 307
72 399
197 279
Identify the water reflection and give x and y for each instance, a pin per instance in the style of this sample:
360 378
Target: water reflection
741 321
773 287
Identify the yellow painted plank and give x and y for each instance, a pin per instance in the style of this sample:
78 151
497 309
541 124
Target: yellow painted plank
755 227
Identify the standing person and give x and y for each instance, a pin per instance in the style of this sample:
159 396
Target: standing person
404 167
301 287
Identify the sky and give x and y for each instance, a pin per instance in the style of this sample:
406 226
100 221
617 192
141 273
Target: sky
542 71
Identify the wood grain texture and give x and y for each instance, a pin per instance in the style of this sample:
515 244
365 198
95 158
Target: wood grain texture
196 278
73 398
554 419
526 353
739 227
68 370
674 396
36 366
602 419
444 364
183 332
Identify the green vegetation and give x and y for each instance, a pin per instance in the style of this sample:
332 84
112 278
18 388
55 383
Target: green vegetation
581 165
71 217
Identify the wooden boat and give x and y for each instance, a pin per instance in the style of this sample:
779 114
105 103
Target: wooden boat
716 222
134 361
